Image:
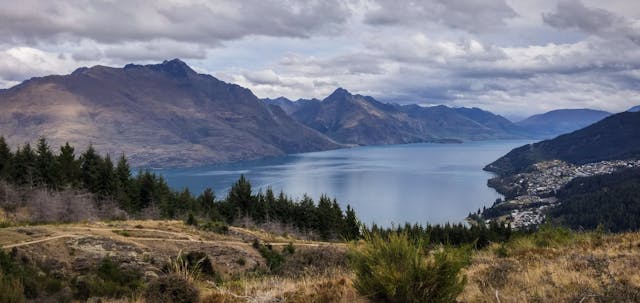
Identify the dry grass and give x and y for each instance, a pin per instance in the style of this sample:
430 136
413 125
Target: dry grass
334 285
588 268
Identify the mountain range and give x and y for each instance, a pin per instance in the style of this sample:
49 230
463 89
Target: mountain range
616 137
169 115
562 121
362 120
158 115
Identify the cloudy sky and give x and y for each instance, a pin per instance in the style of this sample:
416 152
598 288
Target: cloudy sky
514 57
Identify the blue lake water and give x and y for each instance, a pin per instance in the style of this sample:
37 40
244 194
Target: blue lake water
424 183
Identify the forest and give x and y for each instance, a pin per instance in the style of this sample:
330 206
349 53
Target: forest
611 201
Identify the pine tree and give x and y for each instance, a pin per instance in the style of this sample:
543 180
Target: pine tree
124 187
68 166
91 169
352 225
5 158
107 179
46 166
23 167
207 203
325 221
240 195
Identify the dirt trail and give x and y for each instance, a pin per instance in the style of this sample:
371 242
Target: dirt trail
87 232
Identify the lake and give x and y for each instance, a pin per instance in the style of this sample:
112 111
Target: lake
424 183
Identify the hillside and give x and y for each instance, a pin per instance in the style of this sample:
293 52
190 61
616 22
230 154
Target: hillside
634 109
614 138
159 115
552 265
362 120
562 121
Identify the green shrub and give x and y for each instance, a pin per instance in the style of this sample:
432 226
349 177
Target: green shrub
171 289
191 220
396 269
552 236
215 226
289 249
108 280
273 258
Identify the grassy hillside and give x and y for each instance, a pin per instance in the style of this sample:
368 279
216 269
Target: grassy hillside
88 260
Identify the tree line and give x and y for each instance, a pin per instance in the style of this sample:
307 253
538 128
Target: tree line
477 235
106 180
146 194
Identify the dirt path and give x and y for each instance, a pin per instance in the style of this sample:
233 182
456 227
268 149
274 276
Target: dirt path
190 238
39 240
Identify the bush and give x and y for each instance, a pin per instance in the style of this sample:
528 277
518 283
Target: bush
171 289
109 280
396 269
273 258
552 236
289 249
11 290
191 220
215 226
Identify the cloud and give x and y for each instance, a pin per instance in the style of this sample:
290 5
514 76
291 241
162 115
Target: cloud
210 22
19 63
468 15
509 56
573 14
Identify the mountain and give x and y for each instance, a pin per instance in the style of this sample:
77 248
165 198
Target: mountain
159 115
634 109
289 106
362 120
562 121
355 119
616 137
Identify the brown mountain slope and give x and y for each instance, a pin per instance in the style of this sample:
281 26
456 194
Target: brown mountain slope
159 115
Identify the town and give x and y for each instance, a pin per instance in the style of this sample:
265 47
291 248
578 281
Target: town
534 192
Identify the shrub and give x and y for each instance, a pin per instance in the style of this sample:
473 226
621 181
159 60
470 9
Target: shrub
396 269
191 220
274 259
290 249
171 289
11 290
552 236
216 227
109 280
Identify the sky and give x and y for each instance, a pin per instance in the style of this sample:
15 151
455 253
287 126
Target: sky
513 57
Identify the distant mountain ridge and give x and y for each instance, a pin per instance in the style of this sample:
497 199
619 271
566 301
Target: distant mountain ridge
561 121
362 120
616 137
634 109
159 115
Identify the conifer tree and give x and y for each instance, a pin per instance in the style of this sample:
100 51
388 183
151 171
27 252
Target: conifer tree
68 166
352 225
46 167
23 166
124 190
240 195
5 158
107 179
91 169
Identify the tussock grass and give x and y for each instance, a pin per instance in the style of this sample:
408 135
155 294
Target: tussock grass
556 265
